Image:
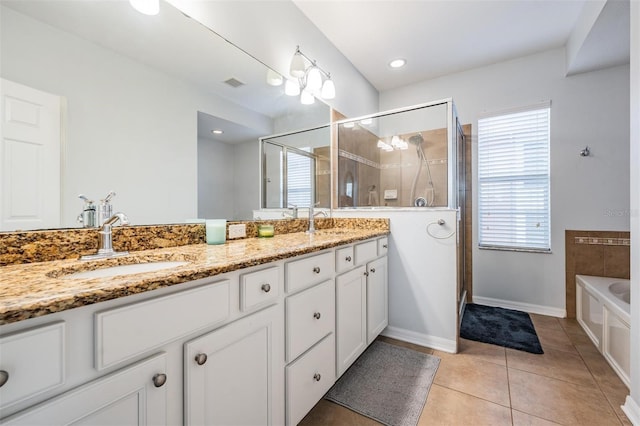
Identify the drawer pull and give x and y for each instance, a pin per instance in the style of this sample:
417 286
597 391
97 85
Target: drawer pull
201 359
4 377
348 258
316 269
317 377
266 287
373 270
366 274
316 315
384 246
159 380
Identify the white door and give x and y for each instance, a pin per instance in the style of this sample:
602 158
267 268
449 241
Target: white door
377 298
29 158
351 317
235 375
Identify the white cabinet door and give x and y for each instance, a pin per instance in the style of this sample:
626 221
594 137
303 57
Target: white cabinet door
235 375
351 317
133 396
377 298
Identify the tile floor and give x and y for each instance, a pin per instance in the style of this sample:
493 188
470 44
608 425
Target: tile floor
570 384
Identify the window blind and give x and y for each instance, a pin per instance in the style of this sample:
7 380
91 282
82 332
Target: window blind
299 179
513 180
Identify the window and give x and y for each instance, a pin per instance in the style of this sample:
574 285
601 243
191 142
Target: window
513 180
300 176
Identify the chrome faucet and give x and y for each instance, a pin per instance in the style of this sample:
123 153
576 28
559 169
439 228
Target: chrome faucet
105 239
312 215
294 212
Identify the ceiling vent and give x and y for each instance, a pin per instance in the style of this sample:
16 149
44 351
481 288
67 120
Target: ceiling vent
234 83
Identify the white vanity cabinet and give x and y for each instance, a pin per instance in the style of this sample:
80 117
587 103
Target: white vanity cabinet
361 301
134 395
260 346
233 375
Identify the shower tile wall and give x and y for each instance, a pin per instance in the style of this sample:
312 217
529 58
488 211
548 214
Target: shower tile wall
599 253
361 144
398 170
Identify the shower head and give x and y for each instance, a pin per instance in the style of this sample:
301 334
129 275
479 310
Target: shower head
416 139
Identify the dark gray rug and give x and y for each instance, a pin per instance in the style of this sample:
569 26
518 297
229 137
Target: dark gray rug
387 383
499 326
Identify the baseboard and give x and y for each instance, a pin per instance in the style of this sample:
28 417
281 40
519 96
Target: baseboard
432 342
632 410
526 307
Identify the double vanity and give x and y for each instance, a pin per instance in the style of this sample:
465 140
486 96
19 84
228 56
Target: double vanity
253 331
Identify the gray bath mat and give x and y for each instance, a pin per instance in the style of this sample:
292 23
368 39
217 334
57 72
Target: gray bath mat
387 383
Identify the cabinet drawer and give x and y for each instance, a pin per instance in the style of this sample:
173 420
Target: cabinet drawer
131 330
309 378
383 246
310 315
365 252
259 288
32 361
308 271
344 259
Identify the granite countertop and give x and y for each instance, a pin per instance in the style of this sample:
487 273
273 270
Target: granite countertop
37 289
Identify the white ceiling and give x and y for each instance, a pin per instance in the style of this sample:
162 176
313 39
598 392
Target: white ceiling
439 37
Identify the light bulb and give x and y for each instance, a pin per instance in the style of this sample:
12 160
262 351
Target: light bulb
328 89
291 88
147 7
298 65
273 78
314 79
306 98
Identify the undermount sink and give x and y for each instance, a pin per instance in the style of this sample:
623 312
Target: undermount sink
137 268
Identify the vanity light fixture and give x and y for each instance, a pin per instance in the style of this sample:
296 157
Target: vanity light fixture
147 7
398 63
308 80
397 143
273 78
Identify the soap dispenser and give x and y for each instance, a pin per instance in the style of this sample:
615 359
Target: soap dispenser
88 216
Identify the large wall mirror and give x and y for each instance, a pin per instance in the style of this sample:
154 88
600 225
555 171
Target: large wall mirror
139 99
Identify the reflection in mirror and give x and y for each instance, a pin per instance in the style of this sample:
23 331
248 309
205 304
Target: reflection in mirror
296 169
131 87
397 159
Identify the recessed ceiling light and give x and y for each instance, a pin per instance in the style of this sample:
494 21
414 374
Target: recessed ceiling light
217 132
397 63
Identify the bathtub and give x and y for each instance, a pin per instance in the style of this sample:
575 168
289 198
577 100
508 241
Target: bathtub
603 310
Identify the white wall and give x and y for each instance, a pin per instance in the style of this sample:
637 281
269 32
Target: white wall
246 180
216 192
422 276
632 404
586 193
129 128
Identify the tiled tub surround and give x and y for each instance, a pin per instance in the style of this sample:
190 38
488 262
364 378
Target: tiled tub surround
57 244
36 289
597 253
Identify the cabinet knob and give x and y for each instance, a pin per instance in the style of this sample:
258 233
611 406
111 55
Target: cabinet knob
201 359
316 315
384 246
316 269
266 287
366 273
4 377
317 377
348 258
159 380
373 270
